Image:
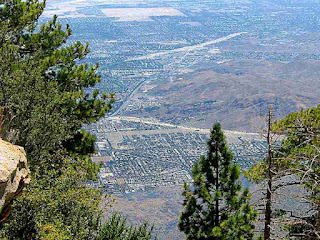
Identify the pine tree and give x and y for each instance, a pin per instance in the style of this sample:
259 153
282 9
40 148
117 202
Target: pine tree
268 212
116 228
215 209
43 87
266 171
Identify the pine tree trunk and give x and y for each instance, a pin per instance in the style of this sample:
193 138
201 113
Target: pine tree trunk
267 224
217 188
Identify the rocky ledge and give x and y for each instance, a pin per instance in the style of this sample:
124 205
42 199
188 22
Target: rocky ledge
14 175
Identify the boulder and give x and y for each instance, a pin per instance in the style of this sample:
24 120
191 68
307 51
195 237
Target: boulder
14 175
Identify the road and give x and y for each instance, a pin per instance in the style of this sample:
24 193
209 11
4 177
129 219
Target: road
188 48
232 136
126 100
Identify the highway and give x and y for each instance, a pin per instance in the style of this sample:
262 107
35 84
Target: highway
125 101
188 48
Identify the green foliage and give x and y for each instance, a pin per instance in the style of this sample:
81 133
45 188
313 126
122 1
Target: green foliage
43 86
280 167
116 228
215 209
55 210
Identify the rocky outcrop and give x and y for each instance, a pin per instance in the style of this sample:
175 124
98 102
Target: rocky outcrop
14 175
